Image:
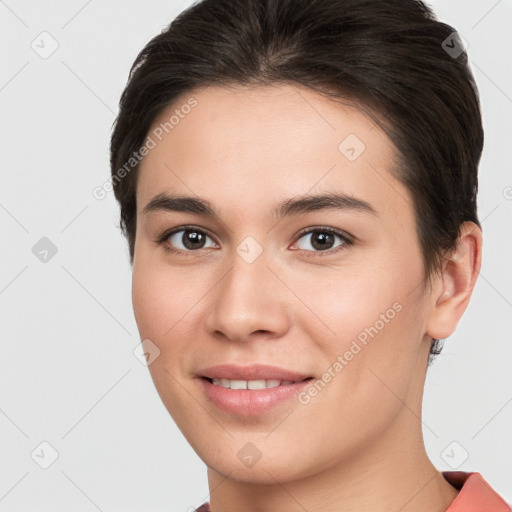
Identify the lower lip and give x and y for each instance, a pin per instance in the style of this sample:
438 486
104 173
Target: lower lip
250 402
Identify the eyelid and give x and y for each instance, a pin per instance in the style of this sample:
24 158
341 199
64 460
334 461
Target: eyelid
164 237
348 240
335 231
188 227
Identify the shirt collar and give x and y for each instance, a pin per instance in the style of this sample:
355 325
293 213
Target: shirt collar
475 494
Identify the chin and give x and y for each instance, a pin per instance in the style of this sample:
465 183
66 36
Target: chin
262 473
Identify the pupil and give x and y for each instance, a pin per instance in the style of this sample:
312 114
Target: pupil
192 239
322 240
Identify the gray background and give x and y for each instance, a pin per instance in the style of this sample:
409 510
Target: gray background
68 374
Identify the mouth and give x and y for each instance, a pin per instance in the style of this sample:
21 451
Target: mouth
253 374
250 390
252 384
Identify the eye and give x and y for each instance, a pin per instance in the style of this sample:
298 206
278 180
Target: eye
189 239
185 240
323 239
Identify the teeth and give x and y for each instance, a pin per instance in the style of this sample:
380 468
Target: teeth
256 384
251 384
238 384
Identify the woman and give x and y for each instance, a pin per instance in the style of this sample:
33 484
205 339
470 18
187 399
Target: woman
297 182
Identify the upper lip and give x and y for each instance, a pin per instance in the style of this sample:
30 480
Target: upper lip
252 372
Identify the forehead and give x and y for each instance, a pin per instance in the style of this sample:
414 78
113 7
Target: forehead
256 145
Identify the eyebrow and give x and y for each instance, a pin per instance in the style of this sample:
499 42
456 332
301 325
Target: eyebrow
293 206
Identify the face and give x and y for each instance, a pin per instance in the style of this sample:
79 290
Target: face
271 274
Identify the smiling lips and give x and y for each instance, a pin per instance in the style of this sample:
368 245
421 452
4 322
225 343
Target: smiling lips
251 390
251 384
253 372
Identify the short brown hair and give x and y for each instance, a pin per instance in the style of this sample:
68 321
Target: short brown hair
393 58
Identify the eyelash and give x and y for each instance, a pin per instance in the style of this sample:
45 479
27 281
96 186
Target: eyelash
347 240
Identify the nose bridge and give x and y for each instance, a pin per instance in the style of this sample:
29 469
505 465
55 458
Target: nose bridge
245 300
249 274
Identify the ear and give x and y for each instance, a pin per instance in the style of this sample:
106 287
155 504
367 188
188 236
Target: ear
453 287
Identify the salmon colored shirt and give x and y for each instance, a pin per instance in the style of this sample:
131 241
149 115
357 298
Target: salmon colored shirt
475 494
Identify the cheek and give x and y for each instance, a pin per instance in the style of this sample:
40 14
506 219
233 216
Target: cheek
148 296
166 306
366 324
347 303
161 298
160 305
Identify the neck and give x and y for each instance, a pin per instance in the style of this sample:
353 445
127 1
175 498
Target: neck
393 473
386 478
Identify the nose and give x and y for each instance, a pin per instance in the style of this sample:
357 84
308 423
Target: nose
248 302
